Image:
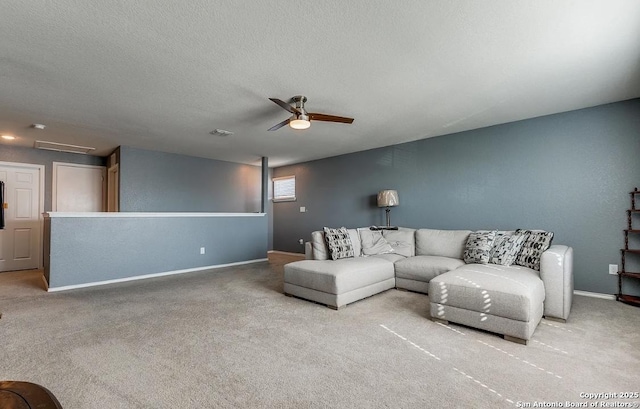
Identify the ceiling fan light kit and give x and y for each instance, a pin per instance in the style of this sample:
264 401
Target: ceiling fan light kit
301 122
301 119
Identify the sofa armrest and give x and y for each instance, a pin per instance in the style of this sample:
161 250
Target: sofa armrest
308 251
556 272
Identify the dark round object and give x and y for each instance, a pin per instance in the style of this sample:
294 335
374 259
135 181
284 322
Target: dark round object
26 395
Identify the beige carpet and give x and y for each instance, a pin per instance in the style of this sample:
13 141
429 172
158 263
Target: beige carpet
229 338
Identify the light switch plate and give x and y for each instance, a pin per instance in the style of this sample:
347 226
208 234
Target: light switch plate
613 269
303 209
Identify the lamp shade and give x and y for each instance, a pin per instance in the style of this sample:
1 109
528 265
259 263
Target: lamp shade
388 198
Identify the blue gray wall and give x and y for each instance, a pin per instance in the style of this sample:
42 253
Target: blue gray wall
164 182
42 157
123 247
569 173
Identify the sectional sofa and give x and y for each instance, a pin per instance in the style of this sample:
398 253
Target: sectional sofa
471 277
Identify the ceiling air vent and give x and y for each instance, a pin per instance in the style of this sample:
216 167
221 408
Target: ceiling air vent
221 132
62 147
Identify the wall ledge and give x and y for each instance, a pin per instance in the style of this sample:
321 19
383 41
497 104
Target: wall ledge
146 214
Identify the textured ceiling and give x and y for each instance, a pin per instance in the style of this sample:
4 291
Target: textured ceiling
161 75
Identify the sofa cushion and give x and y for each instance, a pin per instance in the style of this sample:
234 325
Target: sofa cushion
478 247
536 243
338 243
373 242
511 292
392 257
424 268
506 248
445 243
403 241
339 276
319 246
498 232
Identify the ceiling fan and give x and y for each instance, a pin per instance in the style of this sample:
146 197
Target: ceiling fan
301 119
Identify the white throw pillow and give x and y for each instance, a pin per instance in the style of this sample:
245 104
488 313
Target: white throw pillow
402 241
355 241
373 242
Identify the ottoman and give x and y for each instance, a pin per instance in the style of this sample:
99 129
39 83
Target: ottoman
26 395
508 300
336 283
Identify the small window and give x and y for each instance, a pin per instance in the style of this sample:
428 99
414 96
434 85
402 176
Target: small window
284 189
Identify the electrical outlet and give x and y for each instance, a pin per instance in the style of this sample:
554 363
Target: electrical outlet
300 241
303 209
613 269
201 250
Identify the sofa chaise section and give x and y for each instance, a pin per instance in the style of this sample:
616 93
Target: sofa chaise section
340 282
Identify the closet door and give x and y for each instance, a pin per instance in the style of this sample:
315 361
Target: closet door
20 239
78 188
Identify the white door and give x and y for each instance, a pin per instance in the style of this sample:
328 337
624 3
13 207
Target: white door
78 188
20 239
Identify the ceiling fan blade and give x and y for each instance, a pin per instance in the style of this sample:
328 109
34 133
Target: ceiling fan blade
286 106
280 125
329 118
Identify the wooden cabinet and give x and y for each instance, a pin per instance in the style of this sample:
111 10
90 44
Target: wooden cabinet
632 213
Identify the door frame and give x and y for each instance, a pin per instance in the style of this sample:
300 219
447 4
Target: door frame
54 182
113 188
41 174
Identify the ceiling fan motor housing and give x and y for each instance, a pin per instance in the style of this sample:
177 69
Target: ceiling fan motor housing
300 100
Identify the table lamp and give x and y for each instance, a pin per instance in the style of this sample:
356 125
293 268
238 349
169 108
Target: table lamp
388 199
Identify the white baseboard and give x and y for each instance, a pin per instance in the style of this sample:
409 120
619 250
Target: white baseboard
145 276
595 295
286 253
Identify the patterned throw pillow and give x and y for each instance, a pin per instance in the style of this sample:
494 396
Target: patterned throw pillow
338 242
478 248
536 243
506 248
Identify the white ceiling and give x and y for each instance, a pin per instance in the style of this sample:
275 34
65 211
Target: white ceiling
161 75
